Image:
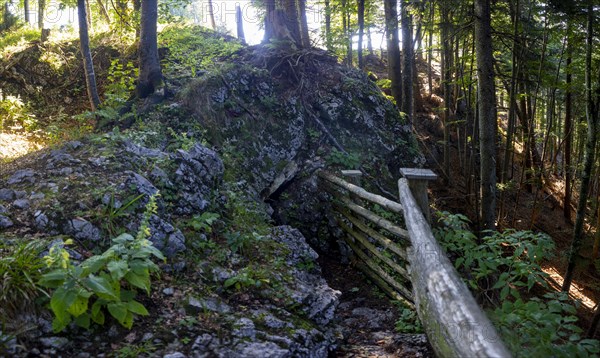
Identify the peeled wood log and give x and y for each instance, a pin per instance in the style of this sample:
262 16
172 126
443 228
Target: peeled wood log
384 241
367 245
382 274
374 218
456 326
362 193
381 283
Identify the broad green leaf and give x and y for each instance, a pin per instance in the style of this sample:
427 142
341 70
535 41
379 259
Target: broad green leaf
58 324
140 267
123 238
128 321
118 310
97 314
53 279
94 264
101 287
139 281
96 307
117 269
121 314
79 306
61 300
230 282
137 308
504 292
147 251
83 321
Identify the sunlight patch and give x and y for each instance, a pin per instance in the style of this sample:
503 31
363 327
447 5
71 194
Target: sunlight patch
13 145
576 290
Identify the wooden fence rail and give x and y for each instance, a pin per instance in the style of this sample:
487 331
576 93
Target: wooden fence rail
409 265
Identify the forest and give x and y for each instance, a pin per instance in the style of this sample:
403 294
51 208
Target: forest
172 171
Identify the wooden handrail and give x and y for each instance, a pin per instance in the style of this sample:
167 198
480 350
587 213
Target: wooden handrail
362 193
455 324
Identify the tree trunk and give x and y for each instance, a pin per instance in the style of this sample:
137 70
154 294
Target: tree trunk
345 27
211 15
328 26
408 59
150 77
361 29
487 113
568 130
26 11
508 150
430 49
103 11
446 84
240 24
282 22
137 7
369 41
588 161
350 35
292 21
393 50
88 65
41 8
304 35
269 18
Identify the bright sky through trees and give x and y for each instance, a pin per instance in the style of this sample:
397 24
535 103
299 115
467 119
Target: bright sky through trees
225 17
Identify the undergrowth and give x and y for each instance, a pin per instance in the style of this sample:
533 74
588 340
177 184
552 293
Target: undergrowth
502 267
21 266
82 293
192 49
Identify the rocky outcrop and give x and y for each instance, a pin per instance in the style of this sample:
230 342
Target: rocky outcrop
280 116
109 185
92 190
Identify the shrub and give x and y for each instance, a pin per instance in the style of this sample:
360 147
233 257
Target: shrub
106 282
510 262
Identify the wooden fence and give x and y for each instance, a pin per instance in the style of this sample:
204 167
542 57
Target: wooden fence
409 265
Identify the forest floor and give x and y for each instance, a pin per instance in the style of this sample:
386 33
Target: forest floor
368 318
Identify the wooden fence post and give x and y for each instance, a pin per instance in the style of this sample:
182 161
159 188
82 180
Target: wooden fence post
354 176
417 182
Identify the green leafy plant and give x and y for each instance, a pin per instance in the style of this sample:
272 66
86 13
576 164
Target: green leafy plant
245 215
20 269
507 261
107 282
121 83
112 212
543 328
241 242
534 327
345 160
203 222
182 140
16 115
136 350
408 321
246 278
192 49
